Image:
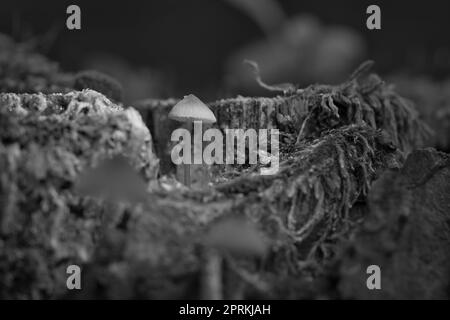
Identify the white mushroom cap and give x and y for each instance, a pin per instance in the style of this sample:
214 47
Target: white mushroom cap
192 108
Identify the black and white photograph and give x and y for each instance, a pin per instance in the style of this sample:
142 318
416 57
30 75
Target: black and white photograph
241 151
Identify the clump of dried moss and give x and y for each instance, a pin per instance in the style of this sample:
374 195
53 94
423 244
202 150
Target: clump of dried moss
99 82
46 141
35 115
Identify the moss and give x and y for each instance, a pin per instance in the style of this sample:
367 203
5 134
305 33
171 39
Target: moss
336 141
307 113
46 141
100 82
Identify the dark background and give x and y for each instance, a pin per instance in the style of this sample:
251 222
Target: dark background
184 45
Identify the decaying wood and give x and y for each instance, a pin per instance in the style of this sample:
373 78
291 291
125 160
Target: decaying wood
303 211
306 114
336 141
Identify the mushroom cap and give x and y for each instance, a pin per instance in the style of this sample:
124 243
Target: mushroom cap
192 108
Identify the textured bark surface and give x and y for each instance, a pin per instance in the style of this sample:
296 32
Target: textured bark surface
335 141
363 100
299 211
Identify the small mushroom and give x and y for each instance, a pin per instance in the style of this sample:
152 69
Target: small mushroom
233 236
191 110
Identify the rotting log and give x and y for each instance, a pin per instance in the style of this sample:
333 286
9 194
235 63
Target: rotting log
302 210
363 100
339 139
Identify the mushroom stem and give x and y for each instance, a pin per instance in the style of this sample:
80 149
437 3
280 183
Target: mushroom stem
188 110
187 166
187 175
211 282
201 168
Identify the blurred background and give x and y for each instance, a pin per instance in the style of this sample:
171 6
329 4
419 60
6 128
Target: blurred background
160 49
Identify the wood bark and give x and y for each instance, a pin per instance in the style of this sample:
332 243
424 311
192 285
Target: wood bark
336 140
